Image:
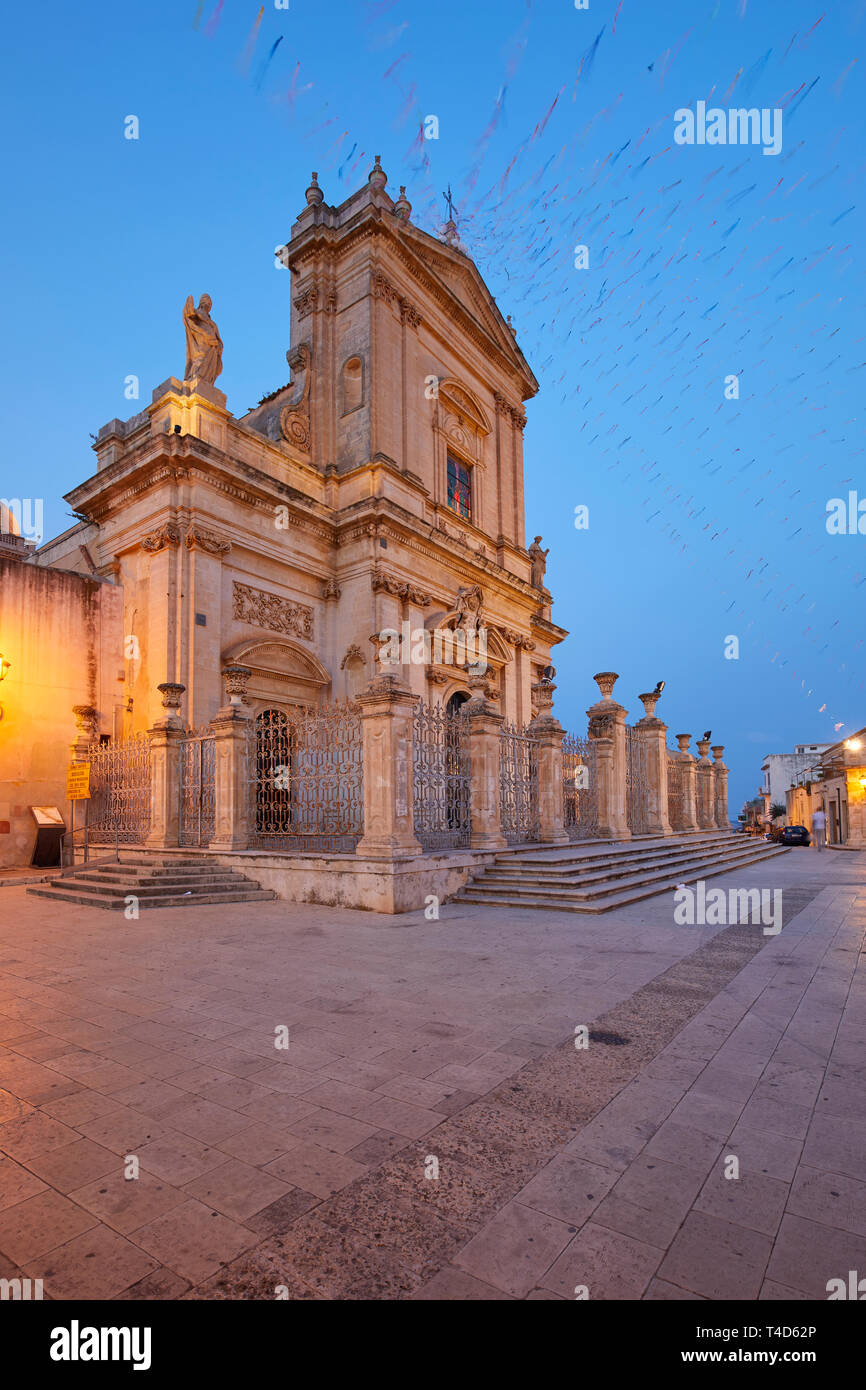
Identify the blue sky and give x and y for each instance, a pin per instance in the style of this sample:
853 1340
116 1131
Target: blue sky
556 129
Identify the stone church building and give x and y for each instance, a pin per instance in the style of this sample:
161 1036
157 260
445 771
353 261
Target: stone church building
310 642
382 486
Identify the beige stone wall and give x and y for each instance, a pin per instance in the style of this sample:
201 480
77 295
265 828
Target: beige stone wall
63 635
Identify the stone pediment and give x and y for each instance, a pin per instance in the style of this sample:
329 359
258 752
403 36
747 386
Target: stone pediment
460 280
282 660
464 404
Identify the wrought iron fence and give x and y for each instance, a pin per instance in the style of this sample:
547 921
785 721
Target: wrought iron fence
518 785
580 787
197 789
440 757
676 792
119 805
306 779
636 783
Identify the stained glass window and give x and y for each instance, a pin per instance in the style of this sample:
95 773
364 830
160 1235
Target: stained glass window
459 488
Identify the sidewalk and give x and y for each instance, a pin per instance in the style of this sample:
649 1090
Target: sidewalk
451 1041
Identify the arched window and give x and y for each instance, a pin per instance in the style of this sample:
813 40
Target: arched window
353 385
459 487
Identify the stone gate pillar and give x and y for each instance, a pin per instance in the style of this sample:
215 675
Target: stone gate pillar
165 737
548 734
232 728
386 730
652 732
690 814
485 723
720 789
607 732
705 795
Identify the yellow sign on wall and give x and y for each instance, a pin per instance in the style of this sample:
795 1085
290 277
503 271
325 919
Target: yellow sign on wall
78 782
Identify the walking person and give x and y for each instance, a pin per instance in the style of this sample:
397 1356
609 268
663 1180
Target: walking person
819 822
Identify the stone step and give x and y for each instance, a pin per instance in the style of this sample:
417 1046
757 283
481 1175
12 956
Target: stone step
90 899
611 870
204 878
555 856
619 895
160 890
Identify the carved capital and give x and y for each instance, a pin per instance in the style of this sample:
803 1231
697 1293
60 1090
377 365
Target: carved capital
166 535
198 539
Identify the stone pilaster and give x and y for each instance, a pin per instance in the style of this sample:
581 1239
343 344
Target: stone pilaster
232 729
386 728
86 722
548 733
485 724
720 789
690 802
652 733
165 737
705 793
607 732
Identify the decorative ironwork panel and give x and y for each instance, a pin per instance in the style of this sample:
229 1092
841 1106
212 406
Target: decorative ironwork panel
440 753
676 792
306 779
119 805
580 787
197 789
636 786
518 785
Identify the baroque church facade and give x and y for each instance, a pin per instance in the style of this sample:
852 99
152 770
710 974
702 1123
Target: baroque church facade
380 490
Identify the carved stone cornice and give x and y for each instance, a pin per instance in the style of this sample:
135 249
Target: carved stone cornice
164 536
198 539
382 288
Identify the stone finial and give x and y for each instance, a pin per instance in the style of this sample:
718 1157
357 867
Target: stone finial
717 751
171 696
314 193
606 680
649 703
703 746
542 696
511 327
236 678
402 207
450 232
377 178
683 740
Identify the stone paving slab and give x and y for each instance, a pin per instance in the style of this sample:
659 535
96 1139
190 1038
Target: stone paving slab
451 1041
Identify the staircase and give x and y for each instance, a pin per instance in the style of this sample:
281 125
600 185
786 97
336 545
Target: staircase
157 882
598 876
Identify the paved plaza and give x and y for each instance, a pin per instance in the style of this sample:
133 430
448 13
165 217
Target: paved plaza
431 1131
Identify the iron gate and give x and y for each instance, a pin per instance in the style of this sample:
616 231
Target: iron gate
119 805
197 789
676 791
636 785
306 779
518 785
579 787
440 766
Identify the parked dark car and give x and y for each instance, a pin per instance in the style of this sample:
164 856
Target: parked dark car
796 835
